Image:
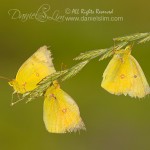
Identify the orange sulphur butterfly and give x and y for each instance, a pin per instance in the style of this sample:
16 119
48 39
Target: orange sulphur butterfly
61 113
33 70
124 75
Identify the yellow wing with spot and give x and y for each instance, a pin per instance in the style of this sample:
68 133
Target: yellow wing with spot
124 75
33 70
61 113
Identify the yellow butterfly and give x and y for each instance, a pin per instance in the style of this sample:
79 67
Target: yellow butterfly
33 70
124 75
61 113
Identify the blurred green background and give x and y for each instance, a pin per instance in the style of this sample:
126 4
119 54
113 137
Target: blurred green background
112 122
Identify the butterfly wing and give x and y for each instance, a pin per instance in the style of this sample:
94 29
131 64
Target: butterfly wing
140 86
124 75
61 113
33 70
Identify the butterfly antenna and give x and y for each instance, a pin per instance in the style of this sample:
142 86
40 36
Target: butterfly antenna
115 47
13 103
48 47
19 99
132 44
63 66
5 78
